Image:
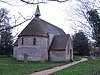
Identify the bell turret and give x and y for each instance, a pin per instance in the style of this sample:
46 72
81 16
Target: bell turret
37 12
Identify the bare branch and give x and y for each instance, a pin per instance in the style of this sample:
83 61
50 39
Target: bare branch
39 2
27 2
8 2
62 1
15 25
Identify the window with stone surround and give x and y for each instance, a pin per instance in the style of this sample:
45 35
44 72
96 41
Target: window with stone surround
68 50
22 41
34 41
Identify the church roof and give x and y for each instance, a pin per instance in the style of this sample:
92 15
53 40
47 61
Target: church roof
59 42
40 27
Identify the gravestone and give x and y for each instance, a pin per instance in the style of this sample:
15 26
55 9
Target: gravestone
26 58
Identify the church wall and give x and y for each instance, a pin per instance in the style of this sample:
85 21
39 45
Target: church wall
28 41
69 50
50 38
38 52
57 56
15 52
34 53
63 55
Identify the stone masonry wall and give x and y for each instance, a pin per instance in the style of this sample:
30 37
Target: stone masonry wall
69 50
50 39
28 41
38 52
63 55
34 53
57 56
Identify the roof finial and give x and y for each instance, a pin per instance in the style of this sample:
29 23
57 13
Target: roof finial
37 12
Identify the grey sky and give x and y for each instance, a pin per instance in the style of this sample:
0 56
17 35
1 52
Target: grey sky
53 12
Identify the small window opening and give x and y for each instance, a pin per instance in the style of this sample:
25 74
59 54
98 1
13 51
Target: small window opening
22 41
34 41
68 49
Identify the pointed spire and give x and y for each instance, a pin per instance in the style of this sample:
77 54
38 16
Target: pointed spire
37 12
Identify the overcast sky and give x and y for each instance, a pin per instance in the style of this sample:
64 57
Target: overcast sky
53 12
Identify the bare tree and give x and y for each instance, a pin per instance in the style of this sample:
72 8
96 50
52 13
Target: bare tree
31 1
7 2
21 19
40 1
79 17
10 2
6 37
25 19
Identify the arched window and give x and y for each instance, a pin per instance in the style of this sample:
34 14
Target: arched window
68 50
22 41
34 41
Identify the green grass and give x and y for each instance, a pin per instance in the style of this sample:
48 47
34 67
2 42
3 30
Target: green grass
84 68
10 66
77 58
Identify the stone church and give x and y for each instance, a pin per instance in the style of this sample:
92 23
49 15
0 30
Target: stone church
42 41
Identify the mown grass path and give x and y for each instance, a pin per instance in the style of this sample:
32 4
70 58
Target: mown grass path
84 68
49 71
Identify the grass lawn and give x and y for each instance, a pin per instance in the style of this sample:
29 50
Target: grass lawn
84 68
77 58
9 66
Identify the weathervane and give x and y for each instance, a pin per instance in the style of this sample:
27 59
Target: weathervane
40 1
